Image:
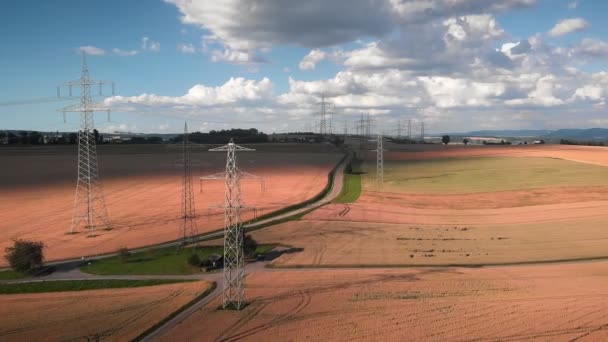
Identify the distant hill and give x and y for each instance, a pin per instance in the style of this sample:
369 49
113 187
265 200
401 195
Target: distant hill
586 134
507 133
580 134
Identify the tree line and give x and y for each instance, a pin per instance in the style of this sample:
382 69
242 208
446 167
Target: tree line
240 136
38 138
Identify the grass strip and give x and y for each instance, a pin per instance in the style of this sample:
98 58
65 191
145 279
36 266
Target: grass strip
80 285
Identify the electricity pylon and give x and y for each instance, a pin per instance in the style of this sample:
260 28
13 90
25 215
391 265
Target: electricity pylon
234 258
323 112
188 228
379 160
89 204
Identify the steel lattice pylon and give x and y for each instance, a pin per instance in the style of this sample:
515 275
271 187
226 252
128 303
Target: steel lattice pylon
188 228
234 258
323 129
89 204
379 160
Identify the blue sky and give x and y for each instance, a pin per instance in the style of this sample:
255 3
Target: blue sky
449 66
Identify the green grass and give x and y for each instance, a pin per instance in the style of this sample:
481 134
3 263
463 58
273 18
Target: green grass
7 275
80 285
165 261
489 174
351 190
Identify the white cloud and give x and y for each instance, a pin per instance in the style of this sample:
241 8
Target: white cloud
568 26
234 91
572 5
186 48
149 44
310 61
120 52
236 57
592 48
92 50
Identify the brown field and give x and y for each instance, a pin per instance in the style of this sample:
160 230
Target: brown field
142 186
390 227
109 315
533 303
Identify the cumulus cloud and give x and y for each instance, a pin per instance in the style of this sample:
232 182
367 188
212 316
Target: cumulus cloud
568 26
120 52
186 48
447 62
149 44
234 91
592 48
92 50
310 61
236 57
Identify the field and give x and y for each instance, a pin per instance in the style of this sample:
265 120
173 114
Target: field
111 314
539 303
461 206
502 243
142 185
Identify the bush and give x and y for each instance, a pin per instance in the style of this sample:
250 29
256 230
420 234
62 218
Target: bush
124 254
25 255
194 260
249 246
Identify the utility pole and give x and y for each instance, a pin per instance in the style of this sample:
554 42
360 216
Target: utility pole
189 229
234 259
89 203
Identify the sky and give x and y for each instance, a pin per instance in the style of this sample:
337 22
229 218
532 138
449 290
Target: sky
456 65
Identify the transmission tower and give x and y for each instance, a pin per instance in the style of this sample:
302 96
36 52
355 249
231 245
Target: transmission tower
89 204
188 228
409 128
422 131
234 262
399 129
323 112
379 160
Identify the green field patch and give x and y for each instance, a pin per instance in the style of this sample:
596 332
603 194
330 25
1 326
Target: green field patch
164 261
10 274
486 174
351 190
80 285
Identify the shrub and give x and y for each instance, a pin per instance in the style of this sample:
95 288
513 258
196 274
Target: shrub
249 246
25 255
124 254
194 260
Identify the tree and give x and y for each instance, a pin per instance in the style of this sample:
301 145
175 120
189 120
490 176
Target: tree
465 141
194 260
72 138
35 138
124 254
445 139
96 135
249 246
23 138
25 255
3 138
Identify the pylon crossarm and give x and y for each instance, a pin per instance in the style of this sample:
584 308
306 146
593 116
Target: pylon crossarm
219 175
